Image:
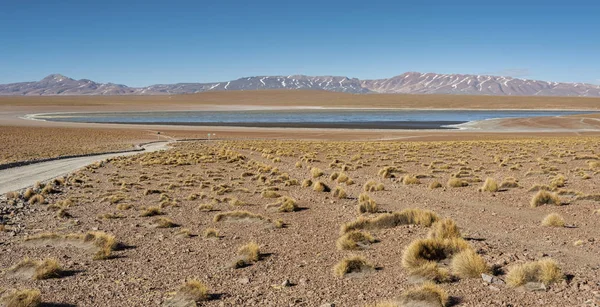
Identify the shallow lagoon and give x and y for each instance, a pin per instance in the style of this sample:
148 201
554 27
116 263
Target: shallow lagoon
310 118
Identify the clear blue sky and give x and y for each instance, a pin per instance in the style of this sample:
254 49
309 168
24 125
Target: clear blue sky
147 42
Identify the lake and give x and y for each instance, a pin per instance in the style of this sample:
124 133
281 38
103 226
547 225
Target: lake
308 118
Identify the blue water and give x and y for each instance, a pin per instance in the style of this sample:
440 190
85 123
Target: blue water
371 118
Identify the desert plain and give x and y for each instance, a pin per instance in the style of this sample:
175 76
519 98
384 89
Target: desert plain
504 214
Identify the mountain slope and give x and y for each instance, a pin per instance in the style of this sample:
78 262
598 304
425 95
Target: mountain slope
407 83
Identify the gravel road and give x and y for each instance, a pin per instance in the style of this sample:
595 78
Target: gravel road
24 176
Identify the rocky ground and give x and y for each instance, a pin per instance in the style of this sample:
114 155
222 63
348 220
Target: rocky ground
194 182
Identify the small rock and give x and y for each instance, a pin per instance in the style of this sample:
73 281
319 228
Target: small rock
244 280
286 283
535 286
327 305
494 288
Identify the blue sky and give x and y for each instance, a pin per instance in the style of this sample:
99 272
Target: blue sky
148 42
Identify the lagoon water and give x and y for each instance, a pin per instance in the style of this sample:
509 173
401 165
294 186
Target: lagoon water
312 118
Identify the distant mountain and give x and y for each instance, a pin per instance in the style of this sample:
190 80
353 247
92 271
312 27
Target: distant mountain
407 83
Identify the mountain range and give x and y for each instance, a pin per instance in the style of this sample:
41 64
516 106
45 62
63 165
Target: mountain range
406 83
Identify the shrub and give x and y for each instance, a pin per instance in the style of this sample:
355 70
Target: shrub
444 229
468 264
151 211
352 264
372 186
553 220
544 198
270 194
164 222
306 183
426 251
435 185
37 199
22 298
211 233
545 271
319 186
410 179
457 183
194 290
237 216
316 172
390 220
490 185
45 269
427 294
366 204
355 240
338 192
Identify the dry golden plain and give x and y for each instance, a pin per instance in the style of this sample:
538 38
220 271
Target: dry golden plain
236 223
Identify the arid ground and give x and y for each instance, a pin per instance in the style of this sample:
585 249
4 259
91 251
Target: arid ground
300 217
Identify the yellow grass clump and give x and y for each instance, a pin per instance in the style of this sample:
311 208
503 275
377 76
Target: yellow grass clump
316 172
44 269
469 264
427 294
22 298
435 185
410 179
444 229
339 192
366 204
543 197
490 185
355 240
553 220
319 186
457 183
372 186
389 220
352 265
238 215
210 233
545 271
151 211
37 199
306 183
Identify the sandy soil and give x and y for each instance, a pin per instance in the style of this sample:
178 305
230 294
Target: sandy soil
500 226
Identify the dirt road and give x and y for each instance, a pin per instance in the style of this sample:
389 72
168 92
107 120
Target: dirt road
21 177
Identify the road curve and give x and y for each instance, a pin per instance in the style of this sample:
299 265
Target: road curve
24 176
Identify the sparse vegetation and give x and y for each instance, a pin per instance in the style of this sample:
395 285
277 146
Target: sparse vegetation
353 265
22 298
553 220
543 197
545 271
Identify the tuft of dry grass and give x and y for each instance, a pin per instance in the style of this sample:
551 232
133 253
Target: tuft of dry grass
389 220
410 179
354 240
247 255
306 183
490 185
469 264
425 251
270 194
151 211
435 185
22 298
36 199
164 222
105 243
288 204
211 233
444 229
366 204
427 294
372 186
509 183
44 269
457 183
352 265
238 215
194 290
316 172
339 192
543 197
205 207
553 220
545 271
319 186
